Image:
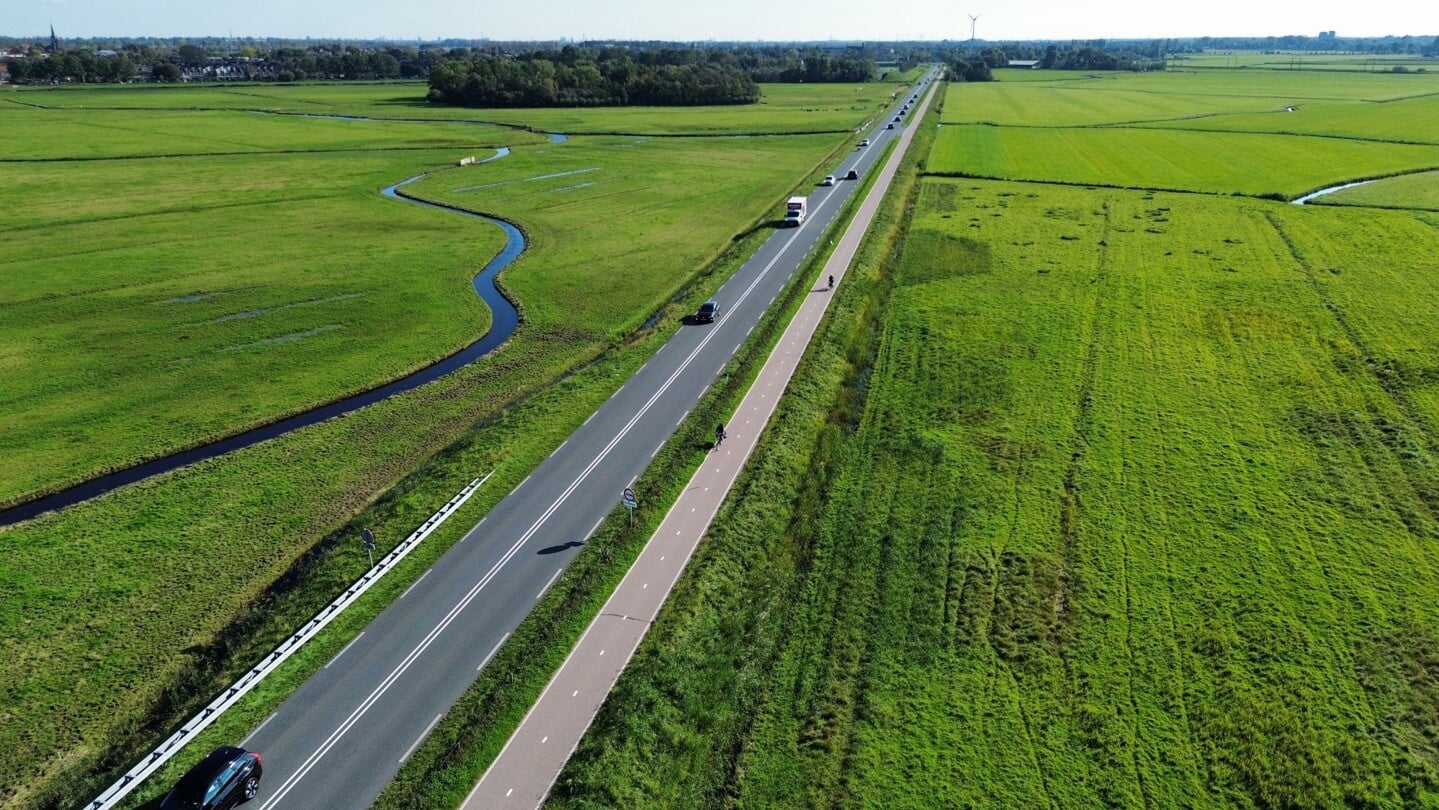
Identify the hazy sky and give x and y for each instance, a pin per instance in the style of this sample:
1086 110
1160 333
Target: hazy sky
728 20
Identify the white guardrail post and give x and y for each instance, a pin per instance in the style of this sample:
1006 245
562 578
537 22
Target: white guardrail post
287 648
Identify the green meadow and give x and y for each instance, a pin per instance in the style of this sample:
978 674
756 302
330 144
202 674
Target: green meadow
171 294
1087 496
1249 133
1408 191
782 108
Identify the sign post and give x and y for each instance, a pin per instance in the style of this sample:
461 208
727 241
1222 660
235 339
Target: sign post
630 503
368 538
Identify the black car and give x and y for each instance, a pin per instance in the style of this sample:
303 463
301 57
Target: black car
852 175
709 310
228 777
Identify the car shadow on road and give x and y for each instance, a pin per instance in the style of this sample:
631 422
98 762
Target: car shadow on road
560 547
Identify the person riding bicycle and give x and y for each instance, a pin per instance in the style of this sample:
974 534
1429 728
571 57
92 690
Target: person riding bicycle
719 434
831 282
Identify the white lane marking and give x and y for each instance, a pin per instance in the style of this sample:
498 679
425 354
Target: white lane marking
416 583
526 481
421 738
544 739
548 584
587 421
592 528
245 741
561 447
615 440
344 648
576 693
498 644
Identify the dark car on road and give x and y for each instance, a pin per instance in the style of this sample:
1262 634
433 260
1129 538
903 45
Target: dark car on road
851 175
709 310
227 777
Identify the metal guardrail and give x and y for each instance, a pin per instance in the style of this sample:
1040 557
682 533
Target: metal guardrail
152 761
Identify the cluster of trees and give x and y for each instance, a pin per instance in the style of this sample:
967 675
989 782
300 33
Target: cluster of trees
551 79
615 76
173 62
73 66
962 68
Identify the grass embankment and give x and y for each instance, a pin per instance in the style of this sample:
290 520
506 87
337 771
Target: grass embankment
119 619
1137 508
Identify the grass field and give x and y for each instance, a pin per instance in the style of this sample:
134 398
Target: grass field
1250 133
1128 517
1116 498
1251 164
116 621
782 108
1409 191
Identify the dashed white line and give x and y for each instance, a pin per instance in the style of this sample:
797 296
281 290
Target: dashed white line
421 738
344 648
498 644
257 729
416 583
548 584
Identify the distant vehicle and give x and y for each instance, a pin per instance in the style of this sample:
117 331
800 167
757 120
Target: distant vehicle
709 310
794 211
852 175
828 180
896 119
901 112
227 777
864 142
889 126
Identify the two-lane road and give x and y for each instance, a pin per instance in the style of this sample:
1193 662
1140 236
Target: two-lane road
342 736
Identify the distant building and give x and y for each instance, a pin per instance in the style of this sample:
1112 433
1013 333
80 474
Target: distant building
1326 35
1023 63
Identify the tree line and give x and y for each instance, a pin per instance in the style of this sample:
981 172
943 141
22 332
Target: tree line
664 76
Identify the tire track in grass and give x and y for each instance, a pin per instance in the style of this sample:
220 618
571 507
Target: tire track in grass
1414 423
1072 502
1167 560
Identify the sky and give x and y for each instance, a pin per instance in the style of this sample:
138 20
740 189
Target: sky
686 20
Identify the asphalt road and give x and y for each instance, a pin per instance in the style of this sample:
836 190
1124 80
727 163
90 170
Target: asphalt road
343 735
521 776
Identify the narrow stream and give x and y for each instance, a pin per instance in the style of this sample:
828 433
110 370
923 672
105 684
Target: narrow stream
505 320
1321 192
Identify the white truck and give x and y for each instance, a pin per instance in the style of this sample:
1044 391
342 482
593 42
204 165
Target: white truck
794 211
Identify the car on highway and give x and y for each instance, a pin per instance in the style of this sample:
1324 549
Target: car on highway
865 142
709 310
828 180
851 175
896 119
889 126
226 777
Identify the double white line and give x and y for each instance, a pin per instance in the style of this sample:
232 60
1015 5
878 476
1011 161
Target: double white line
414 655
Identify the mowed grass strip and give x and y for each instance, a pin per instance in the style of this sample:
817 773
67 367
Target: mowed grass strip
1282 166
1134 513
120 617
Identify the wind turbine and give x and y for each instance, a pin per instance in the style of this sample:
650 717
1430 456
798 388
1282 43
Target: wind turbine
973 18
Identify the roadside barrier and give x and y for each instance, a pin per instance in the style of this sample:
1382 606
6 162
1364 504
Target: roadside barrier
152 761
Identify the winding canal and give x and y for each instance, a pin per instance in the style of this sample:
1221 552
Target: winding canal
505 320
